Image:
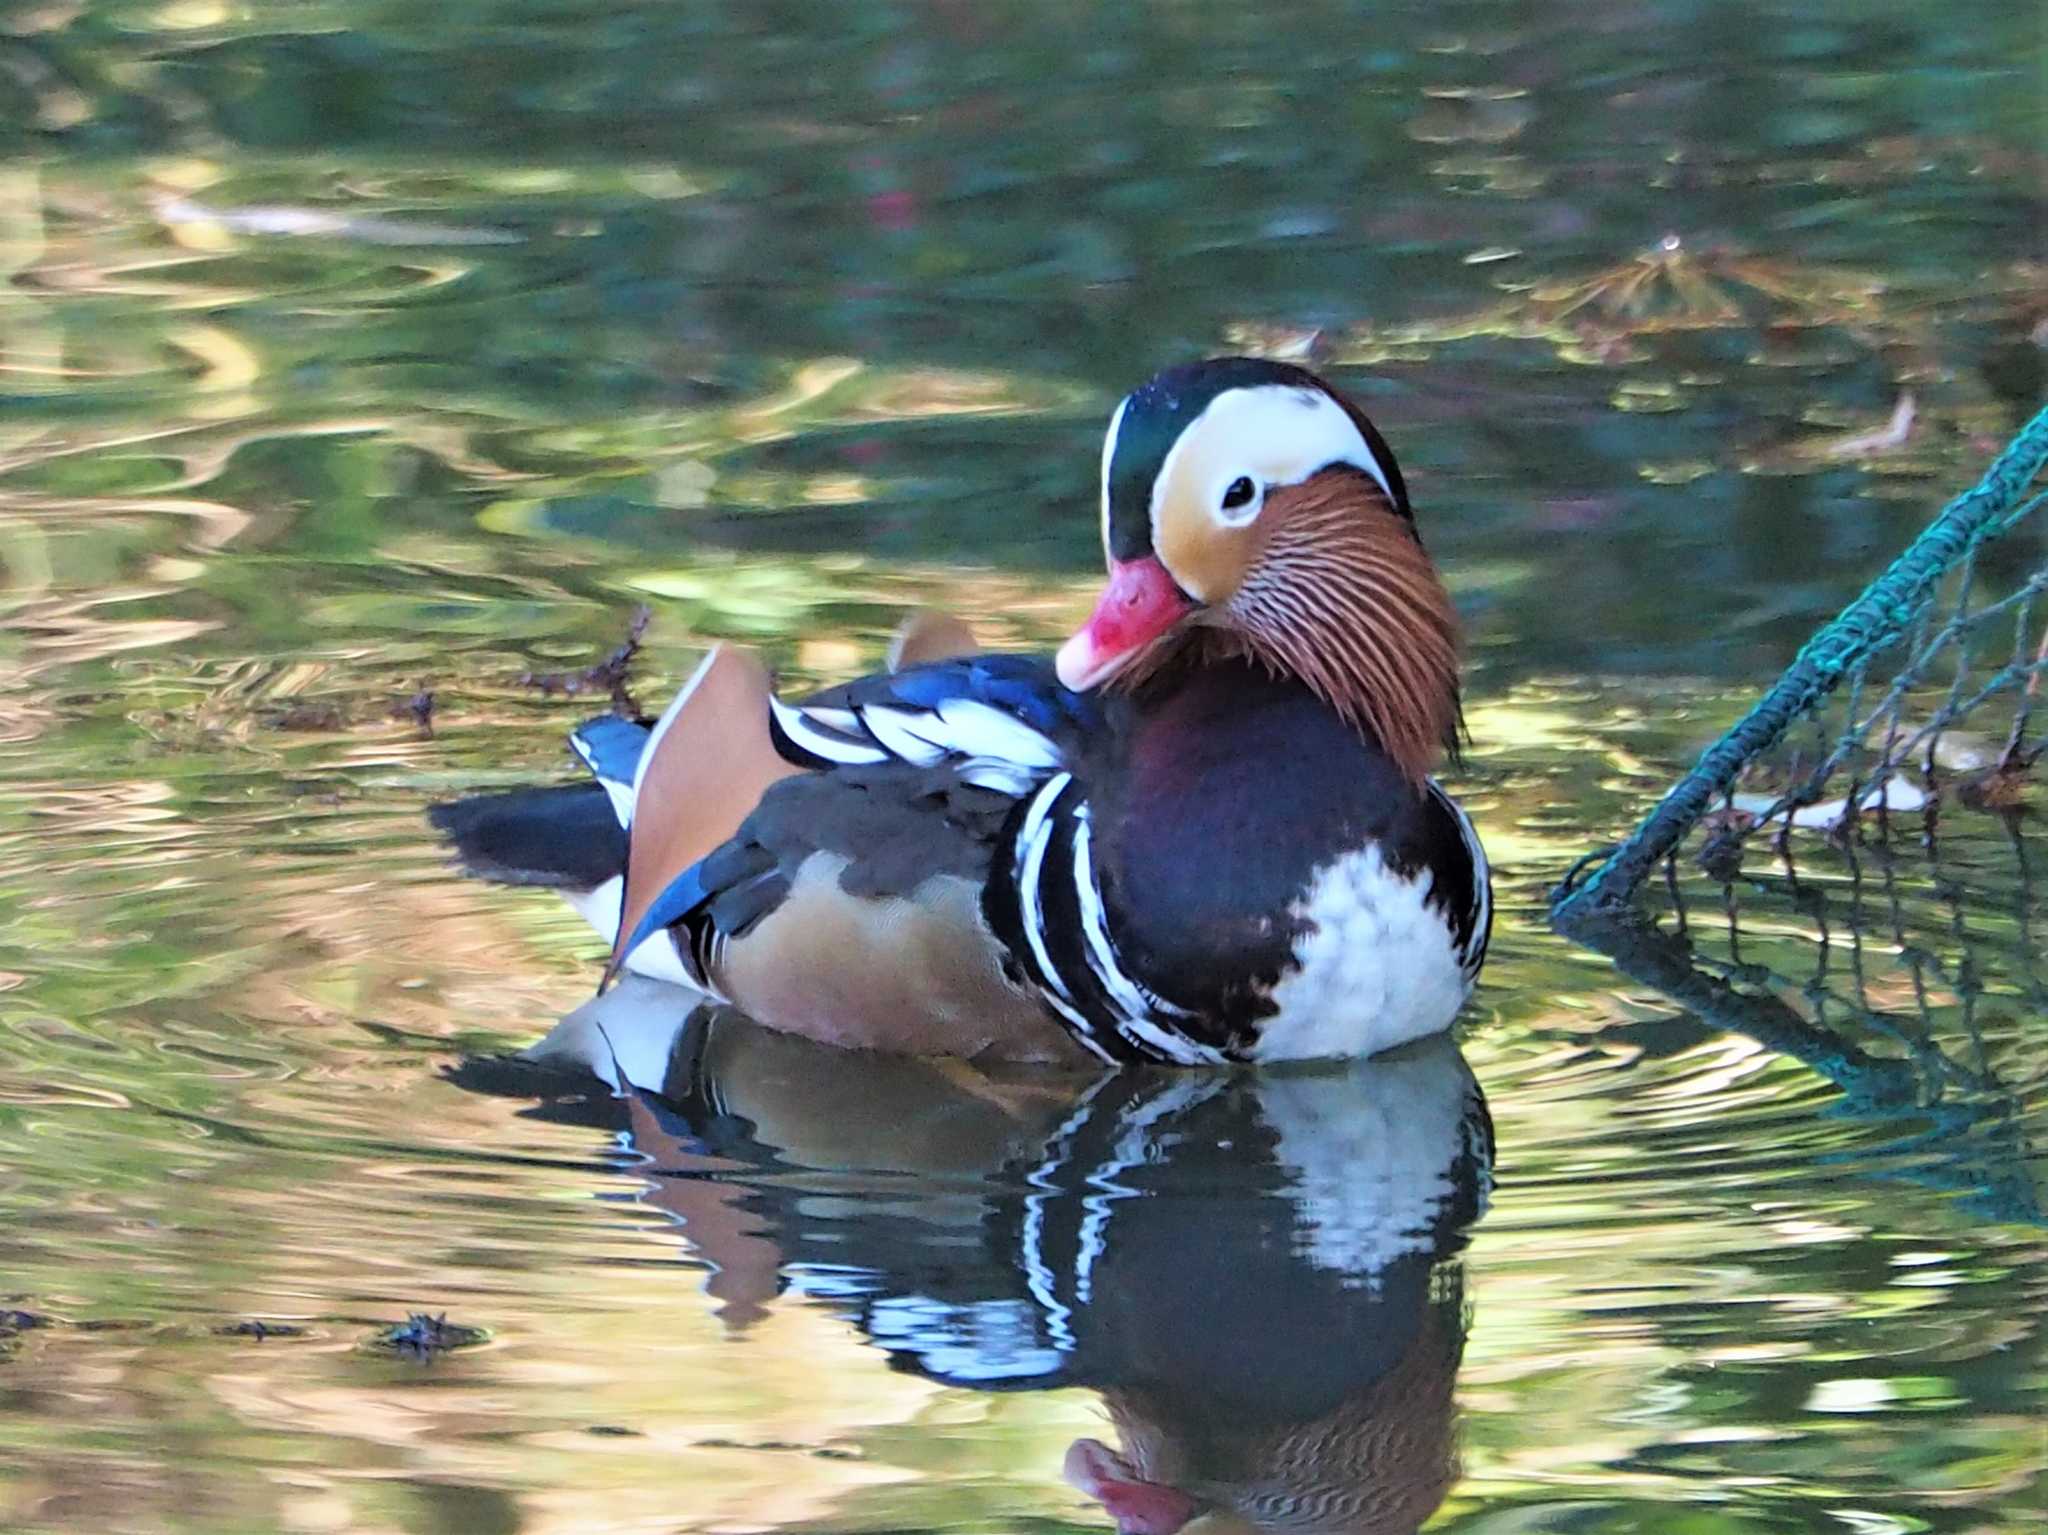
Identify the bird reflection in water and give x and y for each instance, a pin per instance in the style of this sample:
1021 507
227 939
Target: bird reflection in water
1258 1273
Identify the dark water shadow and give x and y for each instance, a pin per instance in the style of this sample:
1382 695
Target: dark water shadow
1259 1274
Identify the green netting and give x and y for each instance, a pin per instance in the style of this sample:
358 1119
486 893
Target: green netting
1848 874
1893 622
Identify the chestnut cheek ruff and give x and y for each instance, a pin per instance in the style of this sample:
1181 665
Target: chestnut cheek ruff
1344 597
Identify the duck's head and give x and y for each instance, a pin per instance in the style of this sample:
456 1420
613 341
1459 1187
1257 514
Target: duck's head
1248 508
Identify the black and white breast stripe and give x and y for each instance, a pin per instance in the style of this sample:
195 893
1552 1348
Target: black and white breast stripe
1062 1236
1472 923
1054 921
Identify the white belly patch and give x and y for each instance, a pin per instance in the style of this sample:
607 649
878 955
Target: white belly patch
1376 968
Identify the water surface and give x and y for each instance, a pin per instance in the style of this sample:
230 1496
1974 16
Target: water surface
351 352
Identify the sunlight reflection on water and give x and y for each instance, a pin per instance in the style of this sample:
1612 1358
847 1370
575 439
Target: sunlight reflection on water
347 358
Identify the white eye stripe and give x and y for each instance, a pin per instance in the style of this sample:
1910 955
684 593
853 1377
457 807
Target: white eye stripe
1116 423
1272 434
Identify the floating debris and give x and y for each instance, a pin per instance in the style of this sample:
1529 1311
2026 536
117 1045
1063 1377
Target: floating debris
308 715
1721 854
2001 787
1896 795
1673 286
608 675
298 221
258 1329
772 1446
14 1322
317 716
1282 343
422 1336
1728 828
1605 316
1886 439
419 709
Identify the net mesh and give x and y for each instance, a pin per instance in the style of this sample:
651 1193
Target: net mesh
1848 874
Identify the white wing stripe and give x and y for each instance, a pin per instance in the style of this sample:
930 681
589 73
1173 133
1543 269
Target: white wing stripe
842 720
896 730
1000 776
1003 752
1135 1012
813 738
1177 1048
1082 1030
1101 953
977 730
1032 837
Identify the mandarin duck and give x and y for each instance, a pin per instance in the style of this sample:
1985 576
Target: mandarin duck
1204 832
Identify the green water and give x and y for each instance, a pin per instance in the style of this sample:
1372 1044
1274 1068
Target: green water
354 350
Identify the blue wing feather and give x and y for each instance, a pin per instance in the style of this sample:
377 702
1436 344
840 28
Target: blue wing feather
682 895
1021 685
611 747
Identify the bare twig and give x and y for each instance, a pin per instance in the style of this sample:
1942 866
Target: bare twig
610 674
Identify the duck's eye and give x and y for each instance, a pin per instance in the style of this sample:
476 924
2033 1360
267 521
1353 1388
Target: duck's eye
1239 493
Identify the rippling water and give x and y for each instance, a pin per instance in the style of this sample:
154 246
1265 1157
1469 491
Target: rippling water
351 353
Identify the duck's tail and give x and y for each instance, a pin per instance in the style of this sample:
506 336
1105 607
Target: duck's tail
701 768
565 838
